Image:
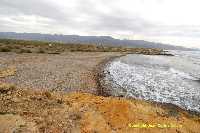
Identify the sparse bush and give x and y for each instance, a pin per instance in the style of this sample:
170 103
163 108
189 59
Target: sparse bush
16 47
47 94
41 51
53 53
60 101
25 51
5 49
75 116
5 88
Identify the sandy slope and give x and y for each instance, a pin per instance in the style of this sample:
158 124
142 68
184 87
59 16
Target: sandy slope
43 111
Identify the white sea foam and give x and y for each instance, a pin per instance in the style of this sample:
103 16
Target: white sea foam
158 81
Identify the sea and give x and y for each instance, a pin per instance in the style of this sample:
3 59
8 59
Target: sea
164 79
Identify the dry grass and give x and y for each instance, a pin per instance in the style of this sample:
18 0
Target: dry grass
56 112
5 88
14 123
10 71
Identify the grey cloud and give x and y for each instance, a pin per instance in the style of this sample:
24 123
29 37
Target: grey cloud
115 21
124 23
176 31
31 7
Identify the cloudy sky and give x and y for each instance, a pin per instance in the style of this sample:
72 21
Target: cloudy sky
168 21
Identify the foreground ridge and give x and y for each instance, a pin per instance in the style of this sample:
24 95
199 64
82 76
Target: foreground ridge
48 111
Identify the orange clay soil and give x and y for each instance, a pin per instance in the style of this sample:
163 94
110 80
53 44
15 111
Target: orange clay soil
44 111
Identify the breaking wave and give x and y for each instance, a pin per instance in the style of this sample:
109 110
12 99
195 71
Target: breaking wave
156 78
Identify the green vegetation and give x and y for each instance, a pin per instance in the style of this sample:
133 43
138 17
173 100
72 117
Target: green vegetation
41 51
24 46
5 49
24 51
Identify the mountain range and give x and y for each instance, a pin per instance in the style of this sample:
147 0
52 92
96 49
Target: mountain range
98 40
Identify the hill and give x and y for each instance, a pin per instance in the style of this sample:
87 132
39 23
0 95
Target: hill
98 40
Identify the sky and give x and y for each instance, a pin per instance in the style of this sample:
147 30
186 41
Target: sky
174 22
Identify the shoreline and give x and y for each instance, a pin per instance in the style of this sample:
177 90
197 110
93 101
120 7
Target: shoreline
81 111
103 89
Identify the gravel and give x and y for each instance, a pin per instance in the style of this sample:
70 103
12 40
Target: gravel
73 71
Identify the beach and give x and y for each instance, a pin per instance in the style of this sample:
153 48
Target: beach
79 103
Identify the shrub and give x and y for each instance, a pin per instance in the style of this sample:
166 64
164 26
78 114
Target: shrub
41 51
47 94
5 88
5 49
25 51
